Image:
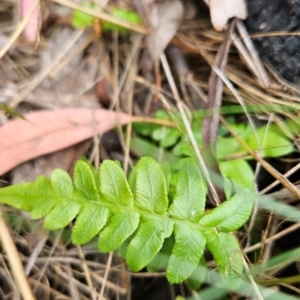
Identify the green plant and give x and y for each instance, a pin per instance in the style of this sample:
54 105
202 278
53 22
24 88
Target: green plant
129 16
233 159
141 215
83 20
10 111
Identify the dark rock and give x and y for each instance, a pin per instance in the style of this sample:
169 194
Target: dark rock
283 52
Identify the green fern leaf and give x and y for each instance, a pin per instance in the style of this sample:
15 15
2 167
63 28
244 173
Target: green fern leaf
186 254
188 205
160 261
121 226
151 189
190 193
20 196
115 190
61 215
227 254
41 197
114 185
231 214
147 241
91 220
150 196
103 203
84 181
61 183
198 276
64 210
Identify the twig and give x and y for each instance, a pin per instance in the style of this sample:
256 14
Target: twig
14 260
18 30
108 265
187 125
284 181
257 64
103 16
273 238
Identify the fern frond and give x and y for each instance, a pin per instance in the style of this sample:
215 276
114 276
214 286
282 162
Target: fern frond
104 204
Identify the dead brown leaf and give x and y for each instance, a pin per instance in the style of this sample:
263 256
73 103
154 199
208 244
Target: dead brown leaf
64 159
215 92
164 19
32 28
44 132
211 123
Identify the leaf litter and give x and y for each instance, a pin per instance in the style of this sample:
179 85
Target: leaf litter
64 70
44 132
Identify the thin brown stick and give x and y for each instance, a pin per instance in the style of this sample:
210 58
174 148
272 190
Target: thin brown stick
18 30
103 16
215 90
87 273
108 266
14 260
273 238
256 61
284 181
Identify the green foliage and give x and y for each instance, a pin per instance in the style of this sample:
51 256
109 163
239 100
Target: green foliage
270 141
103 203
83 20
129 16
10 111
198 275
171 144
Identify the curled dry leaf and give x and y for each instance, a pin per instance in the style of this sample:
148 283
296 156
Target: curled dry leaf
44 132
44 165
222 10
164 18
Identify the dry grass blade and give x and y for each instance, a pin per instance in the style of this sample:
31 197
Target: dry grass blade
215 92
211 123
273 238
46 71
198 38
188 128
108 265
103 16
283 195
35 255
14 260
64 276
18 30
254 62
87 273
284 181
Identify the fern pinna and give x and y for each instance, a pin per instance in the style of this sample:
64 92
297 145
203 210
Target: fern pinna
103 203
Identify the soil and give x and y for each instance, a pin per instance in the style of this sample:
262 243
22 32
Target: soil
282 52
